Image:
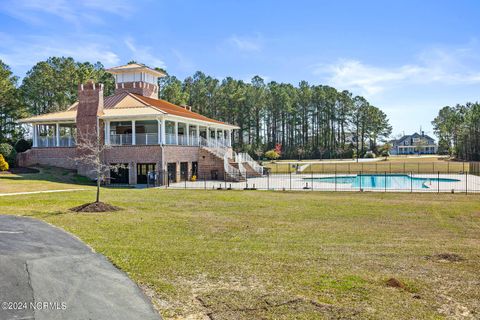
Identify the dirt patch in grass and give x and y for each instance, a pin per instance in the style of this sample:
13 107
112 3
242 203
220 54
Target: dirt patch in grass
395 283
95 207
231 304
449 257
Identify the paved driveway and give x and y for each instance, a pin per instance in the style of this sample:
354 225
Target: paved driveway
45 273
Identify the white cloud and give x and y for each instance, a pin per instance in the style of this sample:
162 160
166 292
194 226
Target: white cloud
437 65
246 43
143 54
38 12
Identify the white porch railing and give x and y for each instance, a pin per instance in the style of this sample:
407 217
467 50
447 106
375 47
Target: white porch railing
67 141
46 142
50 142
120 139
245 157
170 138
146 138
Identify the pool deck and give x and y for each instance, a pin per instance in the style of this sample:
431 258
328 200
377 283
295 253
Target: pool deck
302 182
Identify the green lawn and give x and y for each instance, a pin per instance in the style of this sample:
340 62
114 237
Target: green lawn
47 179
283 255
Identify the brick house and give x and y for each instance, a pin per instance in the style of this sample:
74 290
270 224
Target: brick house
146 134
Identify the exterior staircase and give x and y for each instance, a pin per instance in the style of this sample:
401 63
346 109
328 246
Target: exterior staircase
230 166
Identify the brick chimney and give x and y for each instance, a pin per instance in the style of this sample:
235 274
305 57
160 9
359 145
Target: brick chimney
90 106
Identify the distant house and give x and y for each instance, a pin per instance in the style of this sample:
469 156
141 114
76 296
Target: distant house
414 144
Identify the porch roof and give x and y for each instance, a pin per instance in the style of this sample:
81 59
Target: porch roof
128 105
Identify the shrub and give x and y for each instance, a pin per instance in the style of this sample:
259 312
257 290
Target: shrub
8 153
272 155
22 145
3 164
370 154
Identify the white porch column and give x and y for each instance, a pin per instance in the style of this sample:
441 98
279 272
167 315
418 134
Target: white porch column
159 131
134 134
198 135
57 134
107 132
229 138
216 138
208 134
164 136
187 131
176 132
35 136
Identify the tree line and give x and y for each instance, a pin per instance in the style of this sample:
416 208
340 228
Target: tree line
458 131
308 121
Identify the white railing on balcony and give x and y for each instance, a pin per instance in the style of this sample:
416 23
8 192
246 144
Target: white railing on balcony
193 141
170 138
120 139
46 142
212 143
245 157
146 138
67 141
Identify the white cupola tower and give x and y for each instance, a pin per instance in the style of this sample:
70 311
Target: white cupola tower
136 78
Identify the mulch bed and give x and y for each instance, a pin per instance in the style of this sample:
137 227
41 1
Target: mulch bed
95 207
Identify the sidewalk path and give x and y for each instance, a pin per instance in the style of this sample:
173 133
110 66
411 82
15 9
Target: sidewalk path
46 273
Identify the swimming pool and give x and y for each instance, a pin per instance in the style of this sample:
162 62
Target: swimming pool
381 181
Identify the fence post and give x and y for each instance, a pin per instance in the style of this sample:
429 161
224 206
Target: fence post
411 181
335 180
438 182
225 178
385 181
290 180
360 179
204 181
404 168
268 180
186 178
466 183
311 174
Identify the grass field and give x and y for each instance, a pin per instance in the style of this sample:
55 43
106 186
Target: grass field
47 179
282 255
391 165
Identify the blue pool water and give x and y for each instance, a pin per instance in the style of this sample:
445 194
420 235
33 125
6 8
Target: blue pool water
381 181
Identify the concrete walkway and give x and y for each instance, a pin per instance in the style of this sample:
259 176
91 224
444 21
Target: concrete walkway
46 273
35 192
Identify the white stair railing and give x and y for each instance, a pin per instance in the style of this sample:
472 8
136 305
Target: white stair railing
245 157
222 151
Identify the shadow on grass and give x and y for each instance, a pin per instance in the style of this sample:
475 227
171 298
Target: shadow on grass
50 174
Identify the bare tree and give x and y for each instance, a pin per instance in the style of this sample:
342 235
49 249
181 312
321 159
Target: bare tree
91 155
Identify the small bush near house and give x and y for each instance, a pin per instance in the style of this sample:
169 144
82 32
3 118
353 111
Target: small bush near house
22 145
370 154
3 164
8 153
272 155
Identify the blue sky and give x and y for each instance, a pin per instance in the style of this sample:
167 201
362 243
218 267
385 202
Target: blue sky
407 57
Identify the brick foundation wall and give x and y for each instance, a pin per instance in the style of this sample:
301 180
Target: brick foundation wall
56 157
133 155
208 162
